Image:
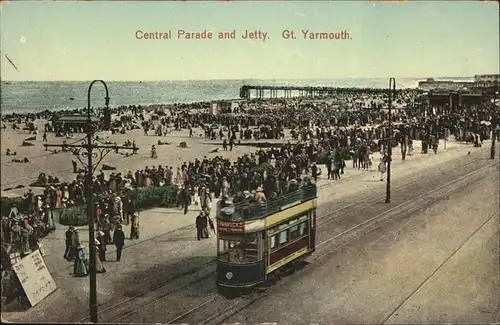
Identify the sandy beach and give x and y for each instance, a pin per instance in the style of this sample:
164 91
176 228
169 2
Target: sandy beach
59 164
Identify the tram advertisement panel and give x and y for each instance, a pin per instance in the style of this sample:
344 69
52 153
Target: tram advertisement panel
230 226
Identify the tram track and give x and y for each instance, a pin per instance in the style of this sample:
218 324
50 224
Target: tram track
430 276
322 186
396 185
340 240
164 288
417 192
218 304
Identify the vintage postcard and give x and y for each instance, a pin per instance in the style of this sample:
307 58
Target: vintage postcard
222 162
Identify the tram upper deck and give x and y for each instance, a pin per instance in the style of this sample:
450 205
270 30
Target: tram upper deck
246 210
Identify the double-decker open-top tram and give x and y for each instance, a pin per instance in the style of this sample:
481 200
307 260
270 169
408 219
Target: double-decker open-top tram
256 241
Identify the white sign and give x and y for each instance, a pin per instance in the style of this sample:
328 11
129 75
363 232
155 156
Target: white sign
34 277
215 108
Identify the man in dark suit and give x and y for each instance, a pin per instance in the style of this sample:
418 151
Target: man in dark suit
185 197
314 171
69 237
130 209
199 226
119 240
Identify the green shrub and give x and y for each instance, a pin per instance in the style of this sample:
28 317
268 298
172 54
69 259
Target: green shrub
149 197
144 198
11 202
74 216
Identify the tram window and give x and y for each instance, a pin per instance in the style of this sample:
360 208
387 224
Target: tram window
223 246
240 249
283 237
251 246
251 238
294 232
273 242
303 228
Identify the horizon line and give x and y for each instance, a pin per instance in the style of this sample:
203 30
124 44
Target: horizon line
239 79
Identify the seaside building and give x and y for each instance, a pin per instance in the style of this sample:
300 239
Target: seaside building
432 84
441 101
487 78
74 121
482 83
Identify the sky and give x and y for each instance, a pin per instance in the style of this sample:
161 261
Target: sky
66 40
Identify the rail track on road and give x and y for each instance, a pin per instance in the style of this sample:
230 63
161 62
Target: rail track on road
164 288
447 259
216 306
336 242
180 229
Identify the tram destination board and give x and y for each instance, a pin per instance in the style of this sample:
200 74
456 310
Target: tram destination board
230 226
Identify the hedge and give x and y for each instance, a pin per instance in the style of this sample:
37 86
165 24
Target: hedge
144 198
11 202
74 216
149 197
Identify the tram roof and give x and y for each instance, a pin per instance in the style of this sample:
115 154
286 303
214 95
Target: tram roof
286 205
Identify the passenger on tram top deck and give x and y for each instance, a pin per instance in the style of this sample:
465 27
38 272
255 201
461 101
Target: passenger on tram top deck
293 185
239 197
225 202
259 196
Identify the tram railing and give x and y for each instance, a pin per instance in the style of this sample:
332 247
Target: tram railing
251 210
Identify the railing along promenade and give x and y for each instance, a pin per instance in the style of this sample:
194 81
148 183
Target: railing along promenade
245 210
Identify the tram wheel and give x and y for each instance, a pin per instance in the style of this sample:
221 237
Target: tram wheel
277 275
223 290
228 293
272 279
260 288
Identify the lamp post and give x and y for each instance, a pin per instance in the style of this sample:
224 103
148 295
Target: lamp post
86 158
392 95
494 132
90 205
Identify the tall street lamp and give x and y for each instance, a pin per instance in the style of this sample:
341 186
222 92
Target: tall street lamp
90 204
392 95
86 152
494 132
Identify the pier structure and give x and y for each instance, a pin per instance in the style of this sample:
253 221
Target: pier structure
259 92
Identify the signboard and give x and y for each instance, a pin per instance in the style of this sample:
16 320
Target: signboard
230 226
215 108
34 277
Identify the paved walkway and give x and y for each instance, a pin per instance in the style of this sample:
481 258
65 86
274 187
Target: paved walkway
154 223
168 244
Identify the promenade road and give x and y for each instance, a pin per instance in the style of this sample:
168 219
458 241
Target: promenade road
440 265
168 249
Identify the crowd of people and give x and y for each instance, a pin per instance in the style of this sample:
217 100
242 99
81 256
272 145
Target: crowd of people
326 133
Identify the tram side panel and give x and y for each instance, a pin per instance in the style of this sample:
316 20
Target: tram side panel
290 240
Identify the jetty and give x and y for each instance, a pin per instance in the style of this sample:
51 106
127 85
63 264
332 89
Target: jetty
249 91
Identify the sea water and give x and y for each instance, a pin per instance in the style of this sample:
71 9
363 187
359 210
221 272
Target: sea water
36 96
